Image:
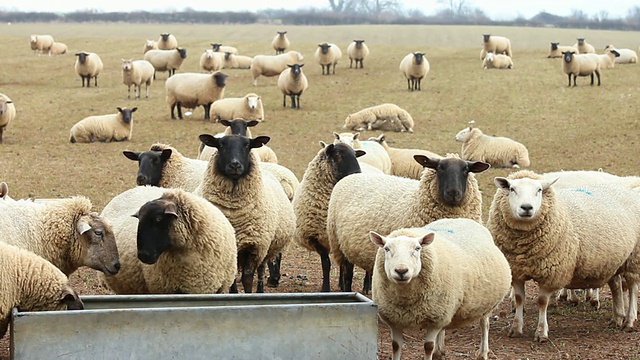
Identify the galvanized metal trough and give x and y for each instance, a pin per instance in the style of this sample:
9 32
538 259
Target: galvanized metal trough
229 326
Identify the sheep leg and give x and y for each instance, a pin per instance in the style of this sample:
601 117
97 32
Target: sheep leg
483 351
615 284
260 286
129 92
569 75
396 342
346 275
592 79
409 84
179 110
366 283
418 83
632 313
207 111
351 62
542 330
233 289
518 294
2 130
326 267
572 297
173 106
147 89
430 342
438 352
95 80
274 271
293 101
137 89
334 68
284 100
598 74
593 297
575 77
247 274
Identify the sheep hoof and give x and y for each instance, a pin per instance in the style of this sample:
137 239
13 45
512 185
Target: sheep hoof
515 333
595 304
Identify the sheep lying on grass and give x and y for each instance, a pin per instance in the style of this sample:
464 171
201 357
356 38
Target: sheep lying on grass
497 61
233 61
217 47
402 160
384 117
556 50
497 151
584 47
59 48
580 65
248 107
626 56
608 59
88 65
104 128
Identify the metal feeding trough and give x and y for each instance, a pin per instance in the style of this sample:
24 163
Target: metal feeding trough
230 326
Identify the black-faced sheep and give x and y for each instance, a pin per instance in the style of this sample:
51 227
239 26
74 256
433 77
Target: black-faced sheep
496 45
556 50
88 65
357 51
167 41
280 42
292 82
414 67
104 128
327 55
580 65
584 47
166 60
190 90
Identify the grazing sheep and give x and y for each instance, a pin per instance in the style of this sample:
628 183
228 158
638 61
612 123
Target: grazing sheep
180 243
216 47
414 67
608 59
149 45
496 150
496 45
58 48
190 90
357 51
31 283
402 160
65 232
419 283
280 42
627 56
497 61
580 65
248 107
292 82
167 41
233 61
375 156
583 47
104 128
272 65
41 44
137 72
385 117
88 65
7 113
556 50
566 238
327 55
166 60
211 61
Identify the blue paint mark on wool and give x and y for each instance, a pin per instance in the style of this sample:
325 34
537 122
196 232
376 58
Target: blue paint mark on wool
582 190
450 231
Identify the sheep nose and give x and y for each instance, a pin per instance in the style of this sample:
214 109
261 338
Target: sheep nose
526 207
402 271
141 180
454 194
235 165
116 265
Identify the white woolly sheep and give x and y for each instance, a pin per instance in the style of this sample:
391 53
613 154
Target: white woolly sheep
583 47
627 56
41 44
566 238
327 55
167 41
580 65
292 82
357 51
402 161
414 67
7 113
31 283
211 61
361 203
384 117
65 232
556 50
496 150
149 45
58 48
497 61
418 282
280 42
88 65
608 59
248 107
217 47
180 243
190 90
136 73
272 65
233 61
496 45
375 156
166 60
104 128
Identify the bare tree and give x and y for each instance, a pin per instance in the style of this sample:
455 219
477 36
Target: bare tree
341 5
376 8
456 8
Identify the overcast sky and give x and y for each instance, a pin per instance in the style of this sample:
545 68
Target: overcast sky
496 9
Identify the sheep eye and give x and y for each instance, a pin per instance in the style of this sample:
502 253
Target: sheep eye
512 190
98 232
387 249
539 191
418 248
158 218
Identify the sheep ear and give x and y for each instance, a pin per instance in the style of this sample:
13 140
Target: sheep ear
259 141
502 183
427 239
82 227
381 138
134 109
377 239
336 135
123 60
323 144
136 214
356 136
426 162
224 122
209 140
132 155
301 65
171 209
119 109
72 300
360 152
166 154
477 166
546 184
253 123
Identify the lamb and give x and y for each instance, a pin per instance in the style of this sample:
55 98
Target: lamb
418 282
211 61
7 113
497 61
414 67
580 65
385 117
292 82
233 61
556 50
88 65
447 189
627 56
357 51
58 48
608 59
327 55
65 232
166 60
566 238
216 47
104 128
175 242
167 41
137 72
41 44
496 45
272 65
31 283
331 164
192 89
375 156
583 47
402 161
149 45
496 150
280 42
248 107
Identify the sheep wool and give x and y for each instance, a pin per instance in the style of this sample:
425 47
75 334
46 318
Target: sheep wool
190 90
402 160
166 60
41 44
104 128
248 107
375 155
7 113
273 65
495 150
384 117
136 73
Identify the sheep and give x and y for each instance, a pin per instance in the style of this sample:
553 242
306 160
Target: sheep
242 190
104 128
578 178
556 50
137 72
608 59
496 45
357 51
248 107
239 127
233 61
583 47
496 150
566 238
58 48
265 153
41 44
385 117
88 65
175 242
497 61
167 41
65 231
7 113
375 156
414 67
310 202
217 47
272 65
149 45
327 55
280 42
418 282
580 65
292 82
31 283
192 89
627 56
166 60
211 61
447 189
402 161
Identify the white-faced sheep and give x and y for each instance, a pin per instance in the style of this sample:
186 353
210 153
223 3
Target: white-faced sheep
447 189
384 117
41 44
180 243
211 61
104 128
414 67
580 65
357 51
567 238
292 82
418 282
149 45
497 61
496 45
496 150
280 42
583 47
327 55
627 56
375 156
402 160
248 107
58 48
608 59
190 90
167 41
88 65
166 60
217 47
31 283
136 73
272 65
233 61
556 50
7 113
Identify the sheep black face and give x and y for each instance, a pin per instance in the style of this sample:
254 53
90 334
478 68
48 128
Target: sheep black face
452 174
567 56
165 37
233 158
419 57
486 37
150 165
343 160
580 41
296 69
215 47
554 46
82 57
324 47
239 126
127 114
220 79
153 238
71 300
182 52
358 43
